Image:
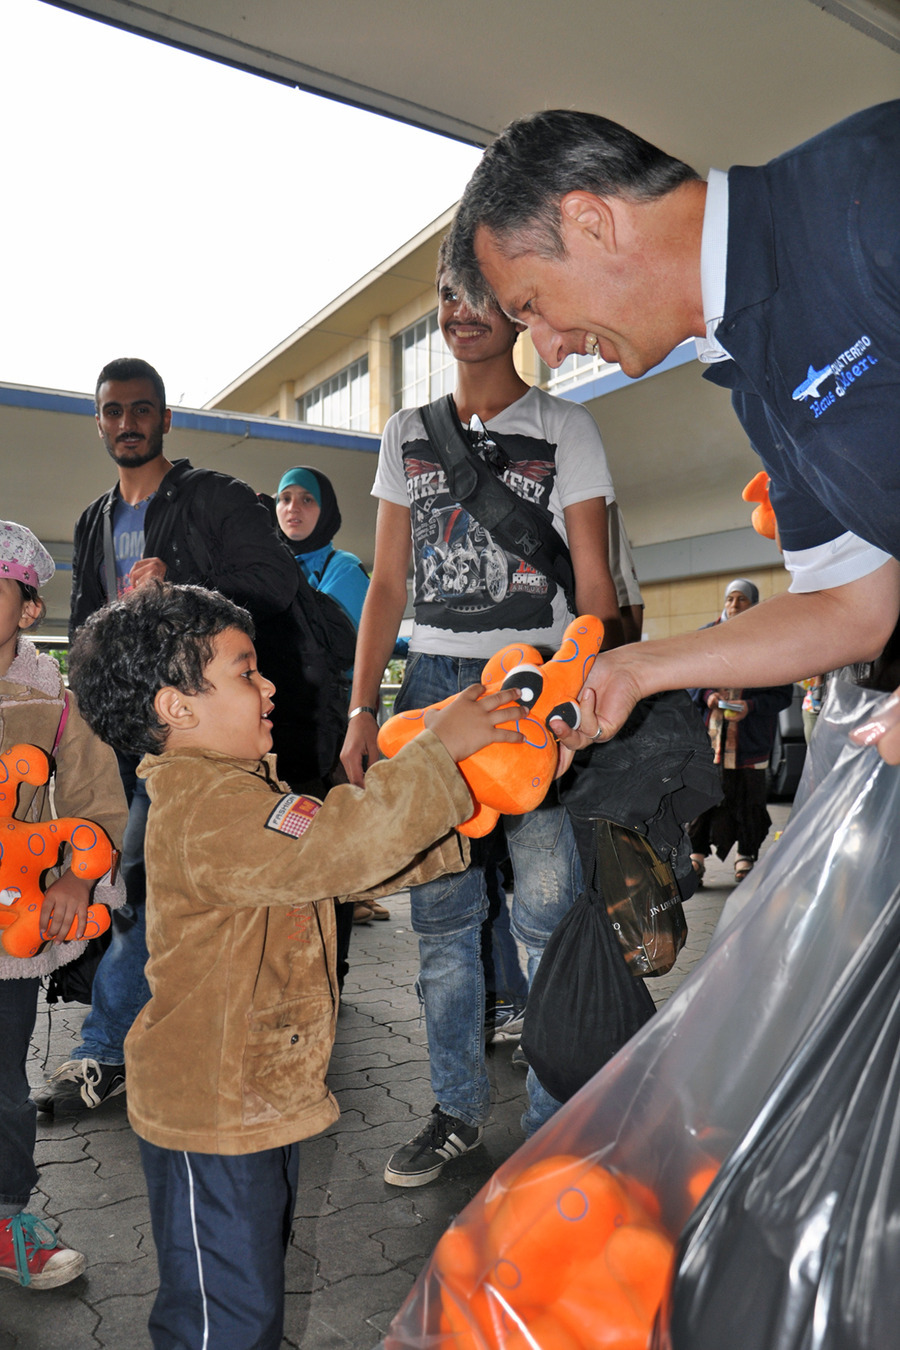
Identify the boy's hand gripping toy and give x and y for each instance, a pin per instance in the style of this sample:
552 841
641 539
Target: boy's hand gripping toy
27 850
510 779
763 517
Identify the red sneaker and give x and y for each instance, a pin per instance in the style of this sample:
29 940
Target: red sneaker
31 1254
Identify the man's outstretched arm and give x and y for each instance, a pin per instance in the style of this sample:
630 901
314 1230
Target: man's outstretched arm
782 639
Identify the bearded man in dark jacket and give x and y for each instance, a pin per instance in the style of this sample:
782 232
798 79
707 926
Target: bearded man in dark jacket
160 521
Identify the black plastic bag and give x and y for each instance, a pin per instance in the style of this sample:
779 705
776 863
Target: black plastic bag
797 1243
719 1074
584 1003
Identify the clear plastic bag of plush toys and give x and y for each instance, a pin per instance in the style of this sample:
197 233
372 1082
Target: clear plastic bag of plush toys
573 1242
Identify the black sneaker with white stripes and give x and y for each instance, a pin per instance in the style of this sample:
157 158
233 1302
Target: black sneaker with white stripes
423 1158
79 1085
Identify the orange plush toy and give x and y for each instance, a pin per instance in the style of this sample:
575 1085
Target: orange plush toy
566 1255
763 517
28 849
509 779
563 1254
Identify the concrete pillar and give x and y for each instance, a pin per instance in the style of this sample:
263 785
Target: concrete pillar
381 393
287 403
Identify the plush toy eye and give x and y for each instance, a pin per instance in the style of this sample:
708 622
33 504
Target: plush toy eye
570 713
529 680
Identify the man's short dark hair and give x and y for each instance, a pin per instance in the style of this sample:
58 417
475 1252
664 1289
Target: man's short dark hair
523 175
158 635
131 368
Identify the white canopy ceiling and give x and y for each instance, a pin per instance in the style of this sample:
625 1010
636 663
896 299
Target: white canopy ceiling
716 82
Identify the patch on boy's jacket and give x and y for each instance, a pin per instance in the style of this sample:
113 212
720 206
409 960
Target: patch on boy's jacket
293 815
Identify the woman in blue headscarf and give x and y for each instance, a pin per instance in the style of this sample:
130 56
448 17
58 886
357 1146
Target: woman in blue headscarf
309 518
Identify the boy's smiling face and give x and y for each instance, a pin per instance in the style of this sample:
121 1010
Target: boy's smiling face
232 715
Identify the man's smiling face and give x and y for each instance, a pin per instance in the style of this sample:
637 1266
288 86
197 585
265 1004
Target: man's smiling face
602 295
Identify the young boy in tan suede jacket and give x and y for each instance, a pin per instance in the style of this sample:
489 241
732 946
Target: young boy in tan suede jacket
226 1064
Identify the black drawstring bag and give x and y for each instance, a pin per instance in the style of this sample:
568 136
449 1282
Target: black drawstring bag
629 800
584 1002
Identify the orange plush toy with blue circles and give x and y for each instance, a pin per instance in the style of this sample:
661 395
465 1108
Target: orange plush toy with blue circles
510 779
28 849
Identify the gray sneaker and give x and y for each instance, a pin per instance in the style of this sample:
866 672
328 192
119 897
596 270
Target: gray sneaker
79 1085
503 1021
423 1158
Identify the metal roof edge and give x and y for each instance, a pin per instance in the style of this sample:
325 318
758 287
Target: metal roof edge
201 419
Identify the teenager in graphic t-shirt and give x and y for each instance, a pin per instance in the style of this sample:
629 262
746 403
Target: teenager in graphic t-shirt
471 597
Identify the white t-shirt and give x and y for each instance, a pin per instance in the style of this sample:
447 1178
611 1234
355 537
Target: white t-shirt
471 596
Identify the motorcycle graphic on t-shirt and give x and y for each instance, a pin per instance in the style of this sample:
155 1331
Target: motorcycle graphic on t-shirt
464 580
460 558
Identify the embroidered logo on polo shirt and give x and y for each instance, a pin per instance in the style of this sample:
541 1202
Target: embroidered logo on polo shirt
293 815
845 369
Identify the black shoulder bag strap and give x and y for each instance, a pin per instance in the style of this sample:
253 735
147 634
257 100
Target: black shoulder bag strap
109 550
181 511
511 520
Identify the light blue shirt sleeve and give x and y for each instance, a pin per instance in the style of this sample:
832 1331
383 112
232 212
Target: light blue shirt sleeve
346 582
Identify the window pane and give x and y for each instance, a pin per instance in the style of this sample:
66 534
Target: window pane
423 368
342 401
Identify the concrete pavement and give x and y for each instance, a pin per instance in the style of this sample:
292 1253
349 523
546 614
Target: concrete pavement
358 1243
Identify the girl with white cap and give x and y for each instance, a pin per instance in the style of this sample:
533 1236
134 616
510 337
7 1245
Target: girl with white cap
36 709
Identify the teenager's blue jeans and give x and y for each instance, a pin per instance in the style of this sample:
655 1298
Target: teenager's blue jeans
447 916
120 987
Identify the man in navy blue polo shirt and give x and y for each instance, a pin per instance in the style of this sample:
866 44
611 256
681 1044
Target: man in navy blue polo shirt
788 276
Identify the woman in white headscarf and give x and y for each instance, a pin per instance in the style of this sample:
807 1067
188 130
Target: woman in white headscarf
741 725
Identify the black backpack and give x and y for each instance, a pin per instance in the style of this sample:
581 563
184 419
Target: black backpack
306 652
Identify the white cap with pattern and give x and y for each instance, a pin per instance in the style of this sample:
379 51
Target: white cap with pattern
23 556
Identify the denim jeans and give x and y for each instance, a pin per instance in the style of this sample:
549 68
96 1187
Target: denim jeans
120 986
504 978
447 916
18 1174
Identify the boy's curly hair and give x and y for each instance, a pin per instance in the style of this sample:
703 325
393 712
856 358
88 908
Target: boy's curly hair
157 635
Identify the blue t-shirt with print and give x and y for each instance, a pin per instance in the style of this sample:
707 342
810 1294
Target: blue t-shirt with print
128 540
